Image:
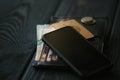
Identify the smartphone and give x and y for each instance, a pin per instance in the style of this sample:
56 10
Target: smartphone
76 51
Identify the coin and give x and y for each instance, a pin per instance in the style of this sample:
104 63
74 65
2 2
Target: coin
88 20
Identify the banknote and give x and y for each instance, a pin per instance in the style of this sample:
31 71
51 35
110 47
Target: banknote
41 30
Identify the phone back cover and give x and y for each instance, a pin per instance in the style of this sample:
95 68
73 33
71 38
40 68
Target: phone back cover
76 51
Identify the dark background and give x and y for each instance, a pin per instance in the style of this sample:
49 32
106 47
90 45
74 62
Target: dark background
18 20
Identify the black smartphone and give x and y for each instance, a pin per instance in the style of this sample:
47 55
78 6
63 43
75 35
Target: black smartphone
76 51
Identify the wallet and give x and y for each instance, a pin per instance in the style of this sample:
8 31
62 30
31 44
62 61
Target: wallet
58 63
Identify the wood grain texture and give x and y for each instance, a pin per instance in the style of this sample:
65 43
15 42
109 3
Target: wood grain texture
13 45
18 35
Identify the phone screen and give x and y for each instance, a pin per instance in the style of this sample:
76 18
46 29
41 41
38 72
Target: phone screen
76 51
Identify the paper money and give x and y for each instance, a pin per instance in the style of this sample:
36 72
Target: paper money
41 30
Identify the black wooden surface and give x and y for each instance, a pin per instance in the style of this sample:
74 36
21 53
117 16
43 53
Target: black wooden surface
18 20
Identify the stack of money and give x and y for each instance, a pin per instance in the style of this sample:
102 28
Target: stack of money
44 55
